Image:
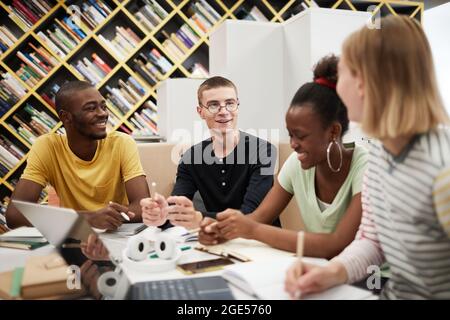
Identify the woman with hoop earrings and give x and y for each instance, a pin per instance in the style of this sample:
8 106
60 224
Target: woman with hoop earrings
323 174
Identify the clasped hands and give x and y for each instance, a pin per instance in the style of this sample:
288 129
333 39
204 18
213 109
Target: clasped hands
179 210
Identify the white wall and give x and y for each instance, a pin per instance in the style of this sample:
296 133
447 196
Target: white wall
437 26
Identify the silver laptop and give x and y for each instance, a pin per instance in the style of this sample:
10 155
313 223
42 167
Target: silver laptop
64 228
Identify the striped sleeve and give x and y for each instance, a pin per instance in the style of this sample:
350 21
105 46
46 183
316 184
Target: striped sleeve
441 198
365 250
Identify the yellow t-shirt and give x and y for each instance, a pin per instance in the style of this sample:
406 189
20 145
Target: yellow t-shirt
85 185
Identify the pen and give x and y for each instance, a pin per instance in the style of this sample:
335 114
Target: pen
71 245
191 232
123 214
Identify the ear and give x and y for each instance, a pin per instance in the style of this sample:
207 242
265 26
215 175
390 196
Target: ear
335 131
360 86
200 112
65 117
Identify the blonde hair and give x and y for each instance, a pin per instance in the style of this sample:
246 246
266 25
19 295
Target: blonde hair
401 97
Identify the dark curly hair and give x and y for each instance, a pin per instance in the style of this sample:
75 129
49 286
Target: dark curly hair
323 99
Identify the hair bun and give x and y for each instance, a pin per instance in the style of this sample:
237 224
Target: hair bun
327 68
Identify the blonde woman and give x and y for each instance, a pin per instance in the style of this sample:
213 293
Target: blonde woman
387 81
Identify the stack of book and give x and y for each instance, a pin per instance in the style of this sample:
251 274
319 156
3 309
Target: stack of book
11 91
92 70
123 97
93 12
36 64
152 66
33 124
203 15
62 36
25 238
10 155
176 46
7 38
151 14
123 42
145 121
26 13
113 121
50 95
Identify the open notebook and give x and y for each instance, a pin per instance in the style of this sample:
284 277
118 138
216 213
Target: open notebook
265 281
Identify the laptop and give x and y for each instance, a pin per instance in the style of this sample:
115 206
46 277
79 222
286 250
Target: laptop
65 229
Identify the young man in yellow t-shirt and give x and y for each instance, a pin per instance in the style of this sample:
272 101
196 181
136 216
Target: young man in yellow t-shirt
95 173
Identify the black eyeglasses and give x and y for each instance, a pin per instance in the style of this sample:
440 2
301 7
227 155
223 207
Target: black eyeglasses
214 107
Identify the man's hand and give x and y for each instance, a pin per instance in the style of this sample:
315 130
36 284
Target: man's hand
109 217
234 224
181 212
154 211
209 234
94 248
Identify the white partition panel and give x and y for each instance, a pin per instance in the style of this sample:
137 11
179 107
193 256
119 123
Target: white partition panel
251 55
177 114
437 26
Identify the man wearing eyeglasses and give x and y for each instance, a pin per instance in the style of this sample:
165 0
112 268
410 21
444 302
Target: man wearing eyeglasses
232 169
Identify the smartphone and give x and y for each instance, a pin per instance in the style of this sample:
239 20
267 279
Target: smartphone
204 266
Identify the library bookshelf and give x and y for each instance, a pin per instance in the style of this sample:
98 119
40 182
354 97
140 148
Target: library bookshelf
125 48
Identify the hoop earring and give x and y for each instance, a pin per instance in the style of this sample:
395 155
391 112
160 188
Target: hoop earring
328 156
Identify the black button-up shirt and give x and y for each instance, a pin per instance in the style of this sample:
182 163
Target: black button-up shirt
240 181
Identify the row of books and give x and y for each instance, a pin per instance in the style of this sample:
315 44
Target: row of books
93 70
123 97
93 12
151 66
10 155
37 63
49 93
25 13
145 121
150 14
11 90
7 38
253 15
62 36
203 15
32 123
123 42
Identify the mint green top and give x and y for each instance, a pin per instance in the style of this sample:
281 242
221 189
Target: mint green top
301 184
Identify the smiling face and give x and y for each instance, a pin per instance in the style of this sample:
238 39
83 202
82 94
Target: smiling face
307 136
86 114
350 90
223 120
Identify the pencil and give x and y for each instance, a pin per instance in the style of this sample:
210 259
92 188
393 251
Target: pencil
153 190
300 246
